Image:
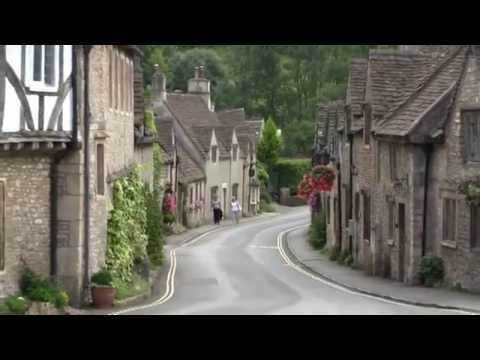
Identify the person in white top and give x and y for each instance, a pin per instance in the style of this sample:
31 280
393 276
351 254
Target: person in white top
236 209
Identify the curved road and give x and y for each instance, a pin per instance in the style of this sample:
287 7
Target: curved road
239 271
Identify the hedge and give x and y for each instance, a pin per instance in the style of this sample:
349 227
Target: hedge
287 173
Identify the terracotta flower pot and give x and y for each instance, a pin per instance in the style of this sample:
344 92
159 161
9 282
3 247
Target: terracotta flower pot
103 297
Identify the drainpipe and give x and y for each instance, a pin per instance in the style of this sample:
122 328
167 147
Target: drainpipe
428 149
86 195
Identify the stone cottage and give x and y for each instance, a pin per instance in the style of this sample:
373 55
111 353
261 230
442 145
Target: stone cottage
221 163
412 126
67 131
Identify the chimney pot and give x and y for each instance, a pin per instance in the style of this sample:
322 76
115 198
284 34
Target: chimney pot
201 72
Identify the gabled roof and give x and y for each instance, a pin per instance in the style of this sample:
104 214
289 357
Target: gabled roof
165 127
202 137
188 170
434 90
191 110
357 84
231 117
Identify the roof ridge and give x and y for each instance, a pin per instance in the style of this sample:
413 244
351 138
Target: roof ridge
421 86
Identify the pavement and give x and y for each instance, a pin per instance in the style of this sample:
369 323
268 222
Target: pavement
303 254
242 270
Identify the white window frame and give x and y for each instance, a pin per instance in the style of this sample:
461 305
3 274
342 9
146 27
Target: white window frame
41 86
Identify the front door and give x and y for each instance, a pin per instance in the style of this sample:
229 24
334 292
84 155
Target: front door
401 242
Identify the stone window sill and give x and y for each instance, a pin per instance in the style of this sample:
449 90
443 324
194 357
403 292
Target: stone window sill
391 242
449 244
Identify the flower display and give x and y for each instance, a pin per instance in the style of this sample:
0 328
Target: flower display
320 179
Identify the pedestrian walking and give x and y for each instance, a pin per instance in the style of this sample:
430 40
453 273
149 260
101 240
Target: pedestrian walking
217 211
236 209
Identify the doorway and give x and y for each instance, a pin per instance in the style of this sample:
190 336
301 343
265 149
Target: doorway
401 242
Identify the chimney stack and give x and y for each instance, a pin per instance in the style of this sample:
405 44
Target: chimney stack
159 87
200 85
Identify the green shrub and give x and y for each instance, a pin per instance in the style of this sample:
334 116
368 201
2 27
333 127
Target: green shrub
318 232
61 299
3 308
136 287
169 218
266 207
349 261
334 253
150 122
103 278
154 229
343 257
42 294
289 173
16 305
431 270
39 289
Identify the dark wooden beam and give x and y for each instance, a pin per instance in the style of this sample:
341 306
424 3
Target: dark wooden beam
65 88
22 76
41 112
20 90
3 60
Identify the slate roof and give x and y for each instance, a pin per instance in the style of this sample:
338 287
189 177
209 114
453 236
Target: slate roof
202 137
433 90
165 134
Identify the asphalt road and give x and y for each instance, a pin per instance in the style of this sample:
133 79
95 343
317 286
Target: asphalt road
239 271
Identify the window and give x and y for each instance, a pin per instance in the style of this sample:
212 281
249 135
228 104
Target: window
449 219
393 162
366 217
357 206
2 226
235 152
367 130
191 195
110 77
391 220
471 126
475 227
235 191
378 163
214 193
100 170
42 67
196 192
328 210
214 154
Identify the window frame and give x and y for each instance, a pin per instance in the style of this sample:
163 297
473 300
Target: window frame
449 229
41 85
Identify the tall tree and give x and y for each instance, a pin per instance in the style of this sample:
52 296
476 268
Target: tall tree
270 145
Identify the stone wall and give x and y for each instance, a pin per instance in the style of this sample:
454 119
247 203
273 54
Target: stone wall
27 216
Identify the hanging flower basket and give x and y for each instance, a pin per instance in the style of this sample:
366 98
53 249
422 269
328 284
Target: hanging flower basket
319 180
471 190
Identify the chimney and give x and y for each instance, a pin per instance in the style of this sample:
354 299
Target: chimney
200 85
159 87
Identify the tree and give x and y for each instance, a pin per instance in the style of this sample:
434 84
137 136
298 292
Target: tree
269 148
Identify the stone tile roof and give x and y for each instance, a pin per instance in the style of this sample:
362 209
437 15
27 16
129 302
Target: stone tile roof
357 84
243 143
427 95
188 170
202 137
231 117
250 128
191 110
165 128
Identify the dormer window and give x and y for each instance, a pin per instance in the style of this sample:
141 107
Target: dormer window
235 152
42 68
214 153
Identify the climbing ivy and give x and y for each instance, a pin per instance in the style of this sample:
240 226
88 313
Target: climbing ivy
126 236
157 167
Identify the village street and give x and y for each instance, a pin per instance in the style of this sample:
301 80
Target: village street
240 271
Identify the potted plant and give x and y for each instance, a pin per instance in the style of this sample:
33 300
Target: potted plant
103 292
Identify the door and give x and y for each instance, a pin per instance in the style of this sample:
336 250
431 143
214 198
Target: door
224 202
401 242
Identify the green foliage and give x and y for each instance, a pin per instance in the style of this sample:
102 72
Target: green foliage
157 167
126 232
137 286
334 253
289 172
471 190
169 218
150 122
154 229
36 288
431 270
266 207
262 174
16 305
285 82
318 232
102 278
269 148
